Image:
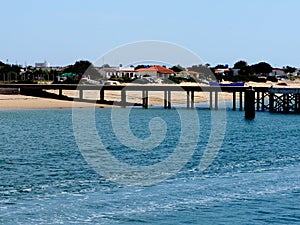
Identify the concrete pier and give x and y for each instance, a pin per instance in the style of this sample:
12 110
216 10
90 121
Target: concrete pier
282 100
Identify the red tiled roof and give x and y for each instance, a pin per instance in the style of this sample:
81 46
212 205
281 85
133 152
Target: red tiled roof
157 68
278 69
221 70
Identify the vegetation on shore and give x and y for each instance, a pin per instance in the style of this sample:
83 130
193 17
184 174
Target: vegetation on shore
18 74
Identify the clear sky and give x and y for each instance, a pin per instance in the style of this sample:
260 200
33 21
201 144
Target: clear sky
219 31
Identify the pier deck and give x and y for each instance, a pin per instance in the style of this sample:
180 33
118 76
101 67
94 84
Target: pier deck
284 100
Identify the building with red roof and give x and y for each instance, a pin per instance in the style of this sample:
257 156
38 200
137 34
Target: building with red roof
278 72
155 72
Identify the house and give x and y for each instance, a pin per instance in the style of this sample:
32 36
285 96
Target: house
223 72
126 72
108 72
189 73
277 72
42 65
296 73
155 72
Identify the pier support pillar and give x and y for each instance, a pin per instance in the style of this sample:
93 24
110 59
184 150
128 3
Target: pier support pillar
192 100
165 99
234 101
257 100
60 92
263 101
241 101
123 98
210 101
297 103
249 104
188 99
286 102
102 95
169 99
271 102
80 94
145 99
216 100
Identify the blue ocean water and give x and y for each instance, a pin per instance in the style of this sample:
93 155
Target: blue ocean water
44 179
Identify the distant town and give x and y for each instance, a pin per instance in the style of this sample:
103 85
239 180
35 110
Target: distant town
43 72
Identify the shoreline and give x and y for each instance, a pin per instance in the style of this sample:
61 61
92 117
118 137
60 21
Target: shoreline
16 102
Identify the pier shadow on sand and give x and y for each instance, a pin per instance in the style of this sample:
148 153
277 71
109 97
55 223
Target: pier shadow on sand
45 94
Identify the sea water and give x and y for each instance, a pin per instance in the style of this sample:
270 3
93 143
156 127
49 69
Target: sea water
253 179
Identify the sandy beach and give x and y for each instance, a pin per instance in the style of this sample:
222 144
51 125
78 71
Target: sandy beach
17 101
29 102
155 99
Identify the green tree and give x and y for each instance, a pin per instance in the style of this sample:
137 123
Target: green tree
2 64
9 73
105 66
289 69
177 68
247 71
220 66
262 68
240 64
81 68
141 66
53 74
204 70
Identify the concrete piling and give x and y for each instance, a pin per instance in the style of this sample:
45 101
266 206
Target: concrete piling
249 104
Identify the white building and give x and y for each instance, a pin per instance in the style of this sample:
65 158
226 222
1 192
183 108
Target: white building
277 72
42 65
126 72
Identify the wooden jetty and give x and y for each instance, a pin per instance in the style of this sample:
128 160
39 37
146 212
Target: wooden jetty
282 100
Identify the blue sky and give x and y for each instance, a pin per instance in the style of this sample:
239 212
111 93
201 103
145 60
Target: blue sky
219 31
